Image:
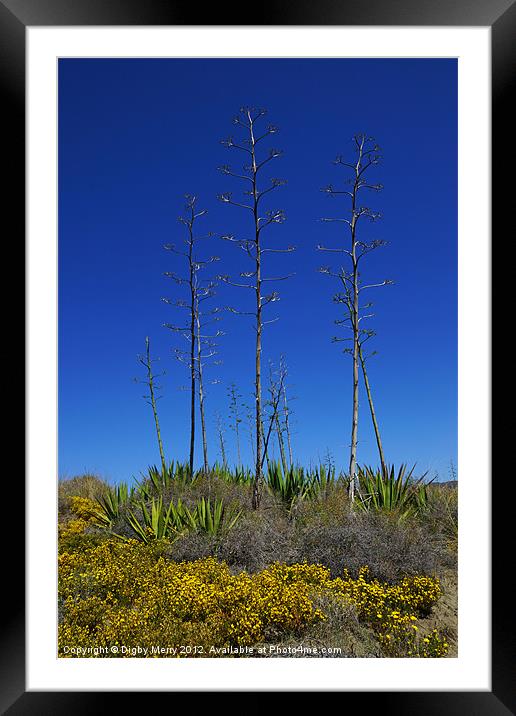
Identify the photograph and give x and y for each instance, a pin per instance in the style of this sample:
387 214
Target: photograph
257 357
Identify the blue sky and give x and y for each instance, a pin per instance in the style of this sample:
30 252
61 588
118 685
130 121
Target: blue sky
136 135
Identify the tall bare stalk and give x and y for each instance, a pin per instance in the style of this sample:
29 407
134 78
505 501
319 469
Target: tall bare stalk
276 392
371 409
248 121
206 351
367 155
286 414
286 411
222 444
191 329
151 398
234 414
250 421
364 335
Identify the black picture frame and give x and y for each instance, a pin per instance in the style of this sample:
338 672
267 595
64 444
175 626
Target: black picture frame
500 16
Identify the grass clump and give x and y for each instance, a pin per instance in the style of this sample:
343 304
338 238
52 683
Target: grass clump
89 486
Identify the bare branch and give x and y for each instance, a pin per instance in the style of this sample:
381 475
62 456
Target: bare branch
232 145
339 160
271 129
374 187
240 313
175 277
226 199
271 217
226 279
330 219
288 250
335 251
177 329
226 169
387 282
273 154
279 278
333 192
275 184
172 247
270 298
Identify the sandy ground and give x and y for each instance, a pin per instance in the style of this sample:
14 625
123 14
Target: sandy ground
444 616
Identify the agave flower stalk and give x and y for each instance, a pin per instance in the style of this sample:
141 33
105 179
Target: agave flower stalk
276 390
201 347
234 411
152 398
222 443
367 155
371 408
248 120
286 418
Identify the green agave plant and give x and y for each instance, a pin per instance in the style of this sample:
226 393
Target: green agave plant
292 485
322 479
159 522
160 478
215 518
110 504
156 480
152 525
239 475
184 475
391 492
156 521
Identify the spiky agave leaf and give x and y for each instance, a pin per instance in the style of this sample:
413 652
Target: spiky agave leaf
110 504
386 490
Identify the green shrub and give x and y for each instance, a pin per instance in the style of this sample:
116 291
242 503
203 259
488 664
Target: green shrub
390 548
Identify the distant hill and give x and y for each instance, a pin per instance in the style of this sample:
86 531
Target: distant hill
447 483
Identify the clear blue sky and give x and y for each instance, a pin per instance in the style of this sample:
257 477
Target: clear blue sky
136 135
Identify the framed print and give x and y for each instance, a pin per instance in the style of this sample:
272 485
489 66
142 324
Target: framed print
273 498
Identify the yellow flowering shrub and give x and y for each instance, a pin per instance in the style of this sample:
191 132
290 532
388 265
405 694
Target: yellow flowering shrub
124 593
411 595
399 636
72 527
127 594
83 507
392 609
72 531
